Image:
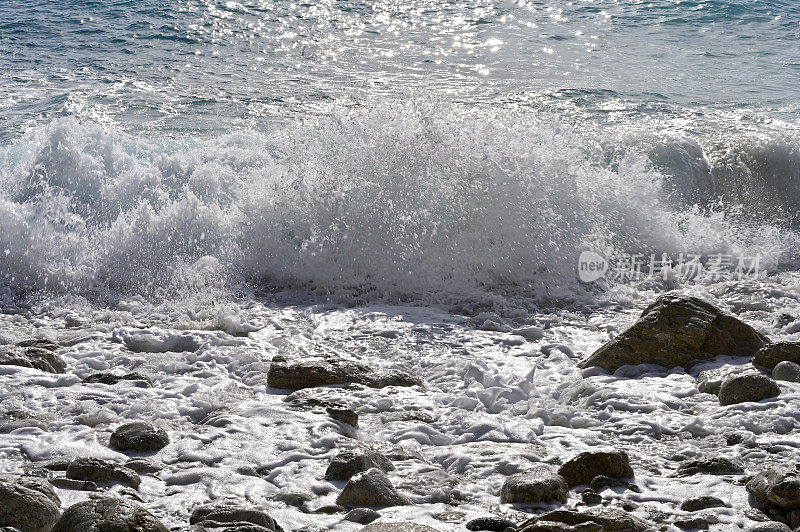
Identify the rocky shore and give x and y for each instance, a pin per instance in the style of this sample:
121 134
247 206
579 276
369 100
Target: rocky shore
684 420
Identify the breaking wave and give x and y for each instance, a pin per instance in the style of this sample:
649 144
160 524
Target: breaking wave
414 200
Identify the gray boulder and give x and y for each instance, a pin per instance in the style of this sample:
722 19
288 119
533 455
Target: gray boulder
352 461
29 504
594 520
107 515
770 354
776 486
232 517
582 468
139 437
747 387
32 357
710 380
677 330
322 371
102 471
786 371
362 516
539 485
371 488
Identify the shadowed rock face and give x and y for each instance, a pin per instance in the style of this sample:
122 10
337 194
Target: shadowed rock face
677 330
100 471
539 485
28 504
351 462
770 355
371 488
97 515
776 486
139 436
746 387
298 374
584 467
32 357
226 517
594 520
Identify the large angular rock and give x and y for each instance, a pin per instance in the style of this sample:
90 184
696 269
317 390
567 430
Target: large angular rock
371 488
32 357
777 486
139 437
232 517
603 519
583 468
108 514
321 371
350 462
102 471
28 504
770 354
677 330
539 485
747 387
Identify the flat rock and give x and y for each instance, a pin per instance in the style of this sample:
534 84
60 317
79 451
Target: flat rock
29 504
322 371
747 387
371 488
539 485
102 471
490 524
776 486
769 526
362 516
771 354
111 379
582 468
352 461
677 330
709 466
139 436
786 371
603 519
108 514
695 504
232 516
7 427
397 527
32 357
601 482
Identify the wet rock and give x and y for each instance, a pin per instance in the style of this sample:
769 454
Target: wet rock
139 437
586 466
362 516
7 427
397 527
603 519
371 488
771 354
110 379
321 371
330 509
352 461
776 486
590 496
709 466
29 504
692 523
345 415
539 485
32 357
490 524
233 518
747 387
144 466
704 502
40 343
406 415
786 371
102 471
601 482
677 330
107 514
769 526
70 484
710 380
60 463
292 498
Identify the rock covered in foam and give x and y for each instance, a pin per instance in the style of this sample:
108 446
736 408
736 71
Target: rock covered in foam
32 357
539 485
677 330
105 514
771 354
139 436
371 488
321 371
587 465
29 504
747 387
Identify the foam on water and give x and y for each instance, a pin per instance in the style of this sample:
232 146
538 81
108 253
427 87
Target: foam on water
402 200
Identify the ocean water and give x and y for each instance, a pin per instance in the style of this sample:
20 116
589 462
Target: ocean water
389 149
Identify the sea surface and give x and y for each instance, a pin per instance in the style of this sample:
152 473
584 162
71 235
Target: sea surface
191 187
